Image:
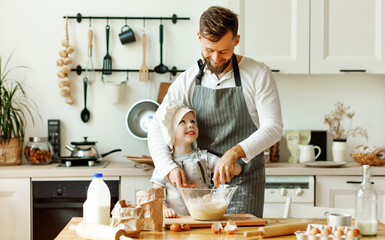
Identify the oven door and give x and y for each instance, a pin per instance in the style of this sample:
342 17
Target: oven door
55 203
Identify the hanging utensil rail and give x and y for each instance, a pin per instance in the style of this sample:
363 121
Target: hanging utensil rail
173 18
79 70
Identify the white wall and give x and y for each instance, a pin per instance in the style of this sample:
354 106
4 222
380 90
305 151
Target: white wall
34 30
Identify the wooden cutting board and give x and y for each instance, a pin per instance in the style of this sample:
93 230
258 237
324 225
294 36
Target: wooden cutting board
245 219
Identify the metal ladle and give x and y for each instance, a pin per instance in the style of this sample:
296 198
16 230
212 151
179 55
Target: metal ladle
85 114
161 68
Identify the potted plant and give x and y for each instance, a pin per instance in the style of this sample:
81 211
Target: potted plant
14 105
335 121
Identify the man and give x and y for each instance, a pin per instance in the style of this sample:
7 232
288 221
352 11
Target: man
237 109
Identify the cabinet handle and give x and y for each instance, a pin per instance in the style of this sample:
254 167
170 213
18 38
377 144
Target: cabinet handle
352 70
355 182
275 70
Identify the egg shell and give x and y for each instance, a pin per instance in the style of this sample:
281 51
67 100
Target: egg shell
216 227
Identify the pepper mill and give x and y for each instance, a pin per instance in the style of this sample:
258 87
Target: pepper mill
274 152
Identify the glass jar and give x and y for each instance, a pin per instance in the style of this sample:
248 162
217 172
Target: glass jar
366 205
38 151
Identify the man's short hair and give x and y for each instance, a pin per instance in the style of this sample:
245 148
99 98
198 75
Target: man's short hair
216 21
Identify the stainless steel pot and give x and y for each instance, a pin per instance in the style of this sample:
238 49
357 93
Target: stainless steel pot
87 149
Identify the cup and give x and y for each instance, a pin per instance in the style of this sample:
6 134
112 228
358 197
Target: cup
126 35
307 153
339 219
115 91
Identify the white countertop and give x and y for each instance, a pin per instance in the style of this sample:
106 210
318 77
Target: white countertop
127 169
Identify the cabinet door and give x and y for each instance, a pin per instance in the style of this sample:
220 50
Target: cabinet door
347 35
275 32
340 192
130 185
15 209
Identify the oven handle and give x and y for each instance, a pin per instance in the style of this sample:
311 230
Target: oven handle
58 205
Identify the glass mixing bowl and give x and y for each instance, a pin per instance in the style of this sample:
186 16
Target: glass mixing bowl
207 203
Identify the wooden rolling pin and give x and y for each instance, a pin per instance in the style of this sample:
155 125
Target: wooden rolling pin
100 232
278 230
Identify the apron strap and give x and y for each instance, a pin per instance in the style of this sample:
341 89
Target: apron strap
237 76
199 76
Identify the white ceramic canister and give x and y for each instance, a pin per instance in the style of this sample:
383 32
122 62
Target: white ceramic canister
339 150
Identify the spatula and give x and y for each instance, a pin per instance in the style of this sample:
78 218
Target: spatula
107 61
143 71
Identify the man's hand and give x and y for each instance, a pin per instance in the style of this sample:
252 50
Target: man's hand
177 177
224 170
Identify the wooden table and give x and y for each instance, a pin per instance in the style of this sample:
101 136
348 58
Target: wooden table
206 233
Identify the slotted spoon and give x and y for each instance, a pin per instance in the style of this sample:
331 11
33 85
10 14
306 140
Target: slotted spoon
143 71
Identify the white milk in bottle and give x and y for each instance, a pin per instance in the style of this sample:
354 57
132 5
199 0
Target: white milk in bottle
96 209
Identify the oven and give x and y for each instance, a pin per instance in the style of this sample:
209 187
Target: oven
278 188
56 201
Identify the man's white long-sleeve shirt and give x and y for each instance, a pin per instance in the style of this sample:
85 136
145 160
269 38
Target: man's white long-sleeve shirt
261 98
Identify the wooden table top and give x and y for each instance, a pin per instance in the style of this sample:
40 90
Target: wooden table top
206 233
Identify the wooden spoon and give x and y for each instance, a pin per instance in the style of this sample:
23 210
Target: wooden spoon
143 71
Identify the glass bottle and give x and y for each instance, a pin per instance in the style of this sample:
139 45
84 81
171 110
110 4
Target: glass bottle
366 205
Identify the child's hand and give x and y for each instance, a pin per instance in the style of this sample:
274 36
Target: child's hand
169 212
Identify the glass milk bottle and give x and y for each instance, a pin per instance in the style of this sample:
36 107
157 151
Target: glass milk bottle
96 209
366 205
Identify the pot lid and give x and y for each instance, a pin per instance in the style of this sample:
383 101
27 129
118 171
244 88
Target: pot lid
84 143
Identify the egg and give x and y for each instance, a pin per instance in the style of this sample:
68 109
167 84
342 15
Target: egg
338 233
314 231
175 227
186 227
342 229
330 228
351 233
325 232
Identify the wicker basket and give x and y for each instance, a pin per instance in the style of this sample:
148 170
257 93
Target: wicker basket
369 158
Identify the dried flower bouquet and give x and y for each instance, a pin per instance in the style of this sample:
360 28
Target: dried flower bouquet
335 123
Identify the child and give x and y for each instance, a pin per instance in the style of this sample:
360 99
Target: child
180 131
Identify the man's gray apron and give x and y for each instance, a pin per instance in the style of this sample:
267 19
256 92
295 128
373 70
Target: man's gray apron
224 121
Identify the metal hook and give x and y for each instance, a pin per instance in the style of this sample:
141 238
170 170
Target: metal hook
125 20
127 79
144 22
107 20
89 21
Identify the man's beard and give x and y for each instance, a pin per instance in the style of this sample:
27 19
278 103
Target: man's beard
216 70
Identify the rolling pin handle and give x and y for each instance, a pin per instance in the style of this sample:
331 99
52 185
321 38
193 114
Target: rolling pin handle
125 238
253 233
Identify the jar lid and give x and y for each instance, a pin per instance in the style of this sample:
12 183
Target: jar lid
38 139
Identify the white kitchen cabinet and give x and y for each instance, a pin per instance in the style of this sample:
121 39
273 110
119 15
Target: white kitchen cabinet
340 192
275 32
347 35
130 185
15 208
343 36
